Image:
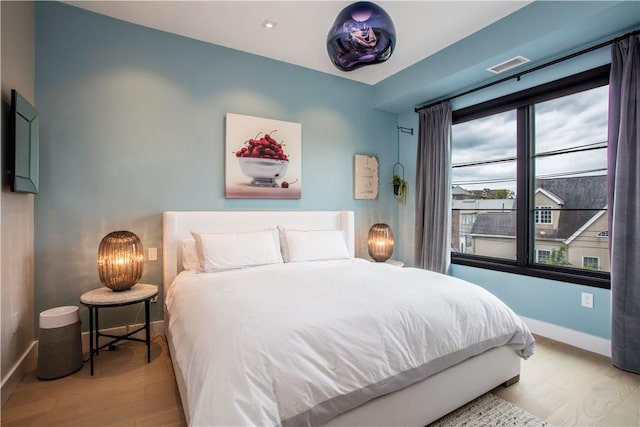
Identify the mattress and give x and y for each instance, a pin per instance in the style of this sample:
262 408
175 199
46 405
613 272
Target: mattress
300 343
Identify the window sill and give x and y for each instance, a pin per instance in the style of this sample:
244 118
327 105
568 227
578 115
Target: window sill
595 279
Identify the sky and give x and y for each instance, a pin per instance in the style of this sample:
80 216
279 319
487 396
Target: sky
566 122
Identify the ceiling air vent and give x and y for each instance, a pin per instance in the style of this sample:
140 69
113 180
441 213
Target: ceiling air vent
508 64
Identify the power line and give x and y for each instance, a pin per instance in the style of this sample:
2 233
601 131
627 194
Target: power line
576 173
576 149
546 176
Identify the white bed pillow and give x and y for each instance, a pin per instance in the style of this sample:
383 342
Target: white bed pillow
190 260
312 245
225 251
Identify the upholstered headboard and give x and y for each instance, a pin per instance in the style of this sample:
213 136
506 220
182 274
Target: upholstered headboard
177 226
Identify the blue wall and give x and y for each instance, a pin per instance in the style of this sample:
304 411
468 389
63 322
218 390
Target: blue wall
550 301
132 124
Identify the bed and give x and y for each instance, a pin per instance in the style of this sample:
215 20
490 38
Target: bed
319 337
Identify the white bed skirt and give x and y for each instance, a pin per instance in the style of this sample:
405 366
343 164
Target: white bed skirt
420 403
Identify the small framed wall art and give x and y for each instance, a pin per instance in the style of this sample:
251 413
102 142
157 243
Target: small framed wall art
263 158
365 177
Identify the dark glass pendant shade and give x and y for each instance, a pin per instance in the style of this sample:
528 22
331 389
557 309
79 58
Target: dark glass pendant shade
362 34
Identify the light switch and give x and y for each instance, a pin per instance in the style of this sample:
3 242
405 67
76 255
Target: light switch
153 254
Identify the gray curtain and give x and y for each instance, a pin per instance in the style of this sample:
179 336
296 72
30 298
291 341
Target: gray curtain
623 159
432 246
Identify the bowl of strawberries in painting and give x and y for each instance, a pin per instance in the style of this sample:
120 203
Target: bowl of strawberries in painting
263 160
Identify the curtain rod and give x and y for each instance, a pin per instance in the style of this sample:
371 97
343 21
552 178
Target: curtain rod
518 75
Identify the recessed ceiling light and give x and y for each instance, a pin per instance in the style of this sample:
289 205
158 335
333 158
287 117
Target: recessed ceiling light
508 64
269 25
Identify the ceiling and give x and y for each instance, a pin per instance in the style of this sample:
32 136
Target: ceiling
422 27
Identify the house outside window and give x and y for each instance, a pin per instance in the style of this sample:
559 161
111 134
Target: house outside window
529 170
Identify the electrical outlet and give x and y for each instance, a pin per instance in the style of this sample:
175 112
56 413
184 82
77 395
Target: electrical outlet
154 299
153 254
587 300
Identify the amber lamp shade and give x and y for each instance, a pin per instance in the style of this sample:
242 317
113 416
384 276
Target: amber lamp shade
380 242
120 260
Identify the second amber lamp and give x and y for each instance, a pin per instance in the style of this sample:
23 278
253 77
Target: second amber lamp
380 242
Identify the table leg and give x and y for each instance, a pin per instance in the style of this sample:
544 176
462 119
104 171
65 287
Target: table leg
147 329
97 331
91 338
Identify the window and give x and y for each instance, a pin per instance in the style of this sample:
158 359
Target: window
543 215
530 173
543 256
591 263
467 219
488 177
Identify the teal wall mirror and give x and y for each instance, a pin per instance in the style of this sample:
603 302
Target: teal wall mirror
24 137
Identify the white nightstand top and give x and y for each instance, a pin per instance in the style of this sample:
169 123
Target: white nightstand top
105 296
395 262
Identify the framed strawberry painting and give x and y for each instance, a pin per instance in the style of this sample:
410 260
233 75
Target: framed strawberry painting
263 158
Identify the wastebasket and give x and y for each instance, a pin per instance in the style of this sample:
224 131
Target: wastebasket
59 346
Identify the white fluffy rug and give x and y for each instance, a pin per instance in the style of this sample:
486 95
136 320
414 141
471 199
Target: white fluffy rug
489 410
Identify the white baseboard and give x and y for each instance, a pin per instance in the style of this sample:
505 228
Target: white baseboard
157 328
21 367
569 336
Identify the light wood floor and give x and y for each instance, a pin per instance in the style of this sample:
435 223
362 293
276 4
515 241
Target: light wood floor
560 384
124 391
567 386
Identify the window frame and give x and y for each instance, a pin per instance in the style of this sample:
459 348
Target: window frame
522 102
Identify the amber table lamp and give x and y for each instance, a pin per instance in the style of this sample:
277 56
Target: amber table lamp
120 260
380 242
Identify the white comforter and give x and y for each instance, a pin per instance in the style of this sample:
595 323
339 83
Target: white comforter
299 343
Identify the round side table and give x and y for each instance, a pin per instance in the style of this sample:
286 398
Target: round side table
104 297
